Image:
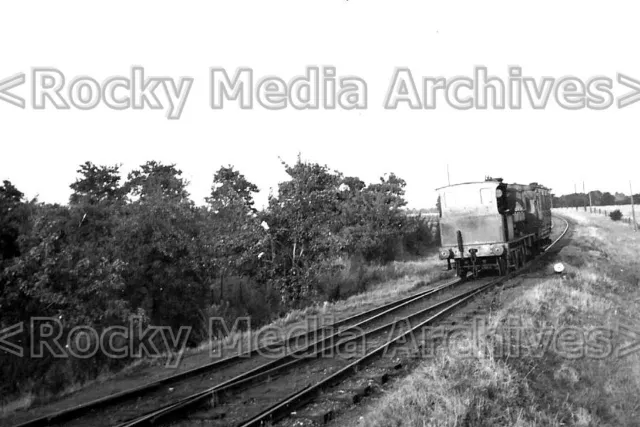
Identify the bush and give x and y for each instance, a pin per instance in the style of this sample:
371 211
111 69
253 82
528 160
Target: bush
616 215
143 249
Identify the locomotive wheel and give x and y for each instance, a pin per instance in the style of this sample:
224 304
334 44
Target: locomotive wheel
535 250
502 266
461 272
521 257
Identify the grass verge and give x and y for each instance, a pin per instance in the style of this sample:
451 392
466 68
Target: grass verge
557 350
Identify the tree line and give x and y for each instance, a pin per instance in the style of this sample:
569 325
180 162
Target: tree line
598 198
141 248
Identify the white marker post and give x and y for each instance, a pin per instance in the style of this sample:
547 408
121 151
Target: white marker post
633 211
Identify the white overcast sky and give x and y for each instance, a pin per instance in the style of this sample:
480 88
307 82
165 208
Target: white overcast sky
40 150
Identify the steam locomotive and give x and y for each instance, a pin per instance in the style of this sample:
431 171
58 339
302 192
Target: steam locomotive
491 225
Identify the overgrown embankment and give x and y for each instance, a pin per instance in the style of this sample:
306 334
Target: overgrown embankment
85 282
558 350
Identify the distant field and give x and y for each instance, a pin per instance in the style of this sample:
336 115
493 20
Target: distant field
424 214
625 209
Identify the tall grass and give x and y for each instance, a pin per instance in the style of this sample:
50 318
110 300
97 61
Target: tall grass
384 283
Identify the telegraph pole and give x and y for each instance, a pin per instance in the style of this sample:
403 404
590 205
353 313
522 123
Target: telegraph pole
448 178
633 211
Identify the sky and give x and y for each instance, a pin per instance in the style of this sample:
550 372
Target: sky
40 149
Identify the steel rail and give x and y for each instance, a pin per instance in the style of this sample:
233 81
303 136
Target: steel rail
566 228
283 363
282 408
101 403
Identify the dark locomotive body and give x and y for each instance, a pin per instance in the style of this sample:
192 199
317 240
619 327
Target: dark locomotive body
493 225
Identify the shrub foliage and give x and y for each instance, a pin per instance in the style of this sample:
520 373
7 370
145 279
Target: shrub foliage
616 215
141 249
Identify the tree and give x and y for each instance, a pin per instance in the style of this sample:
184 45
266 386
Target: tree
621 199
231 189
154 178
607 199
96 202
319 215
167 262
62 272
374 219
12 219
168 258
234 231
303 221
596 197
97 184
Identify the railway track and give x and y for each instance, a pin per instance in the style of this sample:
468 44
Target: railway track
226 371
265 387
253 388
